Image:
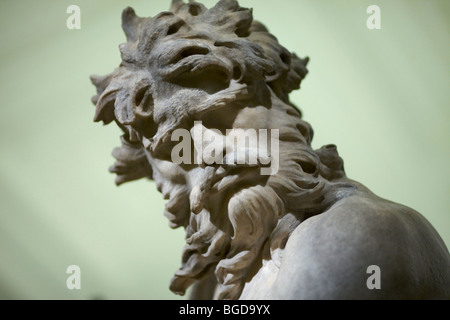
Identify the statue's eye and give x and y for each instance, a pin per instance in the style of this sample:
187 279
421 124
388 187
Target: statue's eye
242 32
237 73
194 10
174 28
285 58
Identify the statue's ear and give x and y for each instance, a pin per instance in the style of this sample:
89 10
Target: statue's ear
131 162
289 70
297 70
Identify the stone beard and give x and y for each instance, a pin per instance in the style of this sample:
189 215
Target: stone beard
299 232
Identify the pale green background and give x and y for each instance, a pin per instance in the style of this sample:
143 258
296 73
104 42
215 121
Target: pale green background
382 96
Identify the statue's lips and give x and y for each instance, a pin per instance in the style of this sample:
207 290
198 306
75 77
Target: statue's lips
196 65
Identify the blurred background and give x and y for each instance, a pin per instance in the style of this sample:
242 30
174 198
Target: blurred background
382 96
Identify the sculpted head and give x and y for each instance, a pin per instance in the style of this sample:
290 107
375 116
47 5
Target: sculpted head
215 69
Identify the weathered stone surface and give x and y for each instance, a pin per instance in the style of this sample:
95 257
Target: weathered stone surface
305 231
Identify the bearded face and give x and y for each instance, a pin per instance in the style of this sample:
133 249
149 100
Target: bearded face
210 70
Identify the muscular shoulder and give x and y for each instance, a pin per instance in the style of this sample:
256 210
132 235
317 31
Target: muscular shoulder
328 255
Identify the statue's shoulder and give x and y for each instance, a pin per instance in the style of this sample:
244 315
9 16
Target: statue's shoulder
333 254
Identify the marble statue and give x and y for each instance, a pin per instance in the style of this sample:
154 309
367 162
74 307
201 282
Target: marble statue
271 219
